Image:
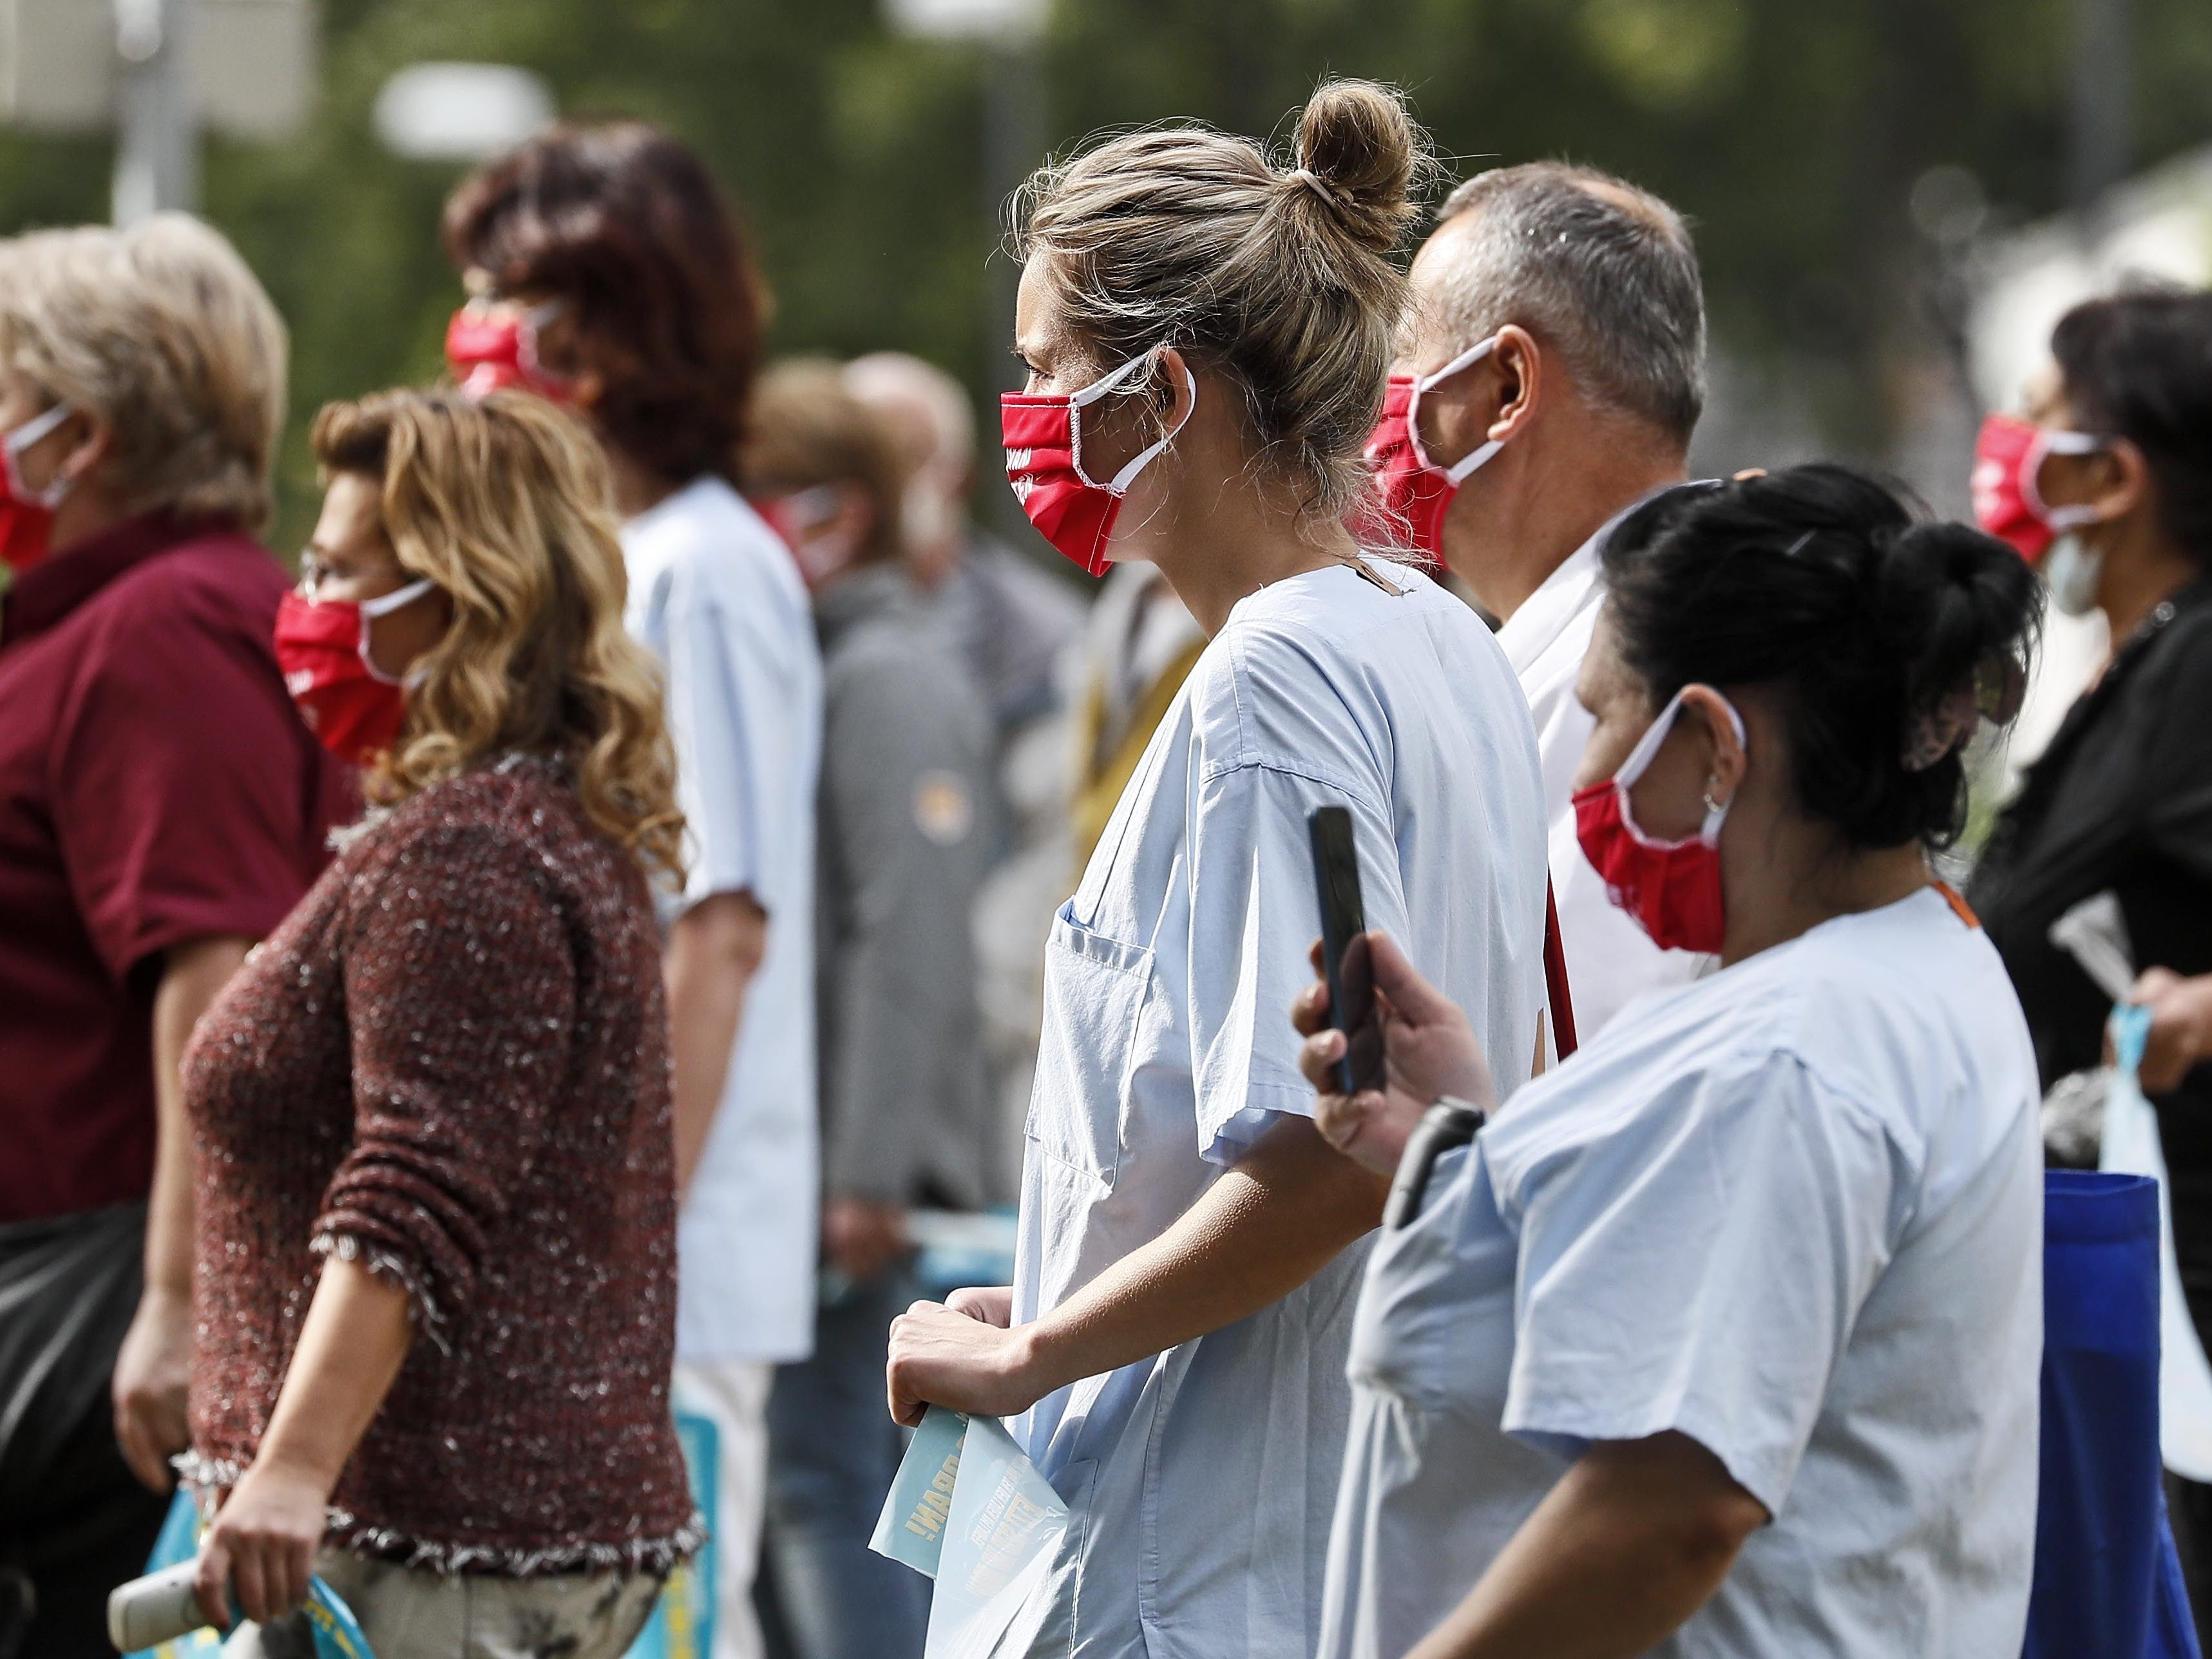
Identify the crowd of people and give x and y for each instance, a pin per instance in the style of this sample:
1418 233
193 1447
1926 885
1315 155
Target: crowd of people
517 983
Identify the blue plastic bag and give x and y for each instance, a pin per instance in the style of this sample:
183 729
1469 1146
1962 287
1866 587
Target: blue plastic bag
2107 1579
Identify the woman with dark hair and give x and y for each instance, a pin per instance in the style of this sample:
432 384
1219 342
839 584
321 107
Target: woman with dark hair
2108 482
604 270
1723 1339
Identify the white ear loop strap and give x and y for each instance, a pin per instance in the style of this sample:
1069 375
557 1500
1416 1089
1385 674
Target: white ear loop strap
1639 759
384 605
1118 485
21 440
1458 470
2049 442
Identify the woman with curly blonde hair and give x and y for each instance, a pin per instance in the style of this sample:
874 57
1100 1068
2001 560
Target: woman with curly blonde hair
436 1260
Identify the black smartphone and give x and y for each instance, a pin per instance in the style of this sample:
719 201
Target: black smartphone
1346 964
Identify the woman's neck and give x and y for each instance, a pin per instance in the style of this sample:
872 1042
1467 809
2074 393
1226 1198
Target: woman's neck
1803 875
2136 579
638 488
1218 545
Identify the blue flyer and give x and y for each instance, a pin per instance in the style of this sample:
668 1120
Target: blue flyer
968 1508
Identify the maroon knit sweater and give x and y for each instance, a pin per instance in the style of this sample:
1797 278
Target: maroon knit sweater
451 1064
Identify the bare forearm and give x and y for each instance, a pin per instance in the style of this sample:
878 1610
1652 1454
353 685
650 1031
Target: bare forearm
1631 1543
1272 1222
714 951
703 1019
191 980
351 1345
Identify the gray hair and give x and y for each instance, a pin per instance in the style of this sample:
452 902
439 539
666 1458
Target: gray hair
161 332
1600 271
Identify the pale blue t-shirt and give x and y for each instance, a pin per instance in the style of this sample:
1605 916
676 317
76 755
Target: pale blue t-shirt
1199 1483
715 595
1793 1211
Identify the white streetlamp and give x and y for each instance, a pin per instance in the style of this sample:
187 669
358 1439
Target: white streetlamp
460 111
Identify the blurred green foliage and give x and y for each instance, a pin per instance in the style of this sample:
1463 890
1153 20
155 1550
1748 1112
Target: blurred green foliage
1790 130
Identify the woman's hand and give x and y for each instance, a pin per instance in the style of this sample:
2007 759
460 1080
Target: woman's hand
992 1303
1428 1051
2180 1026
940 1355
151 1375
263 1543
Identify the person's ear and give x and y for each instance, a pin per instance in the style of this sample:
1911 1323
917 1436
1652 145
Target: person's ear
854 518
1172 399
2123 481
588 386
1725 759
1520 367
86 441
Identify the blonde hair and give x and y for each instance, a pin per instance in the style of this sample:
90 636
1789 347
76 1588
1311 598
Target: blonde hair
1275 277
161 334
504 502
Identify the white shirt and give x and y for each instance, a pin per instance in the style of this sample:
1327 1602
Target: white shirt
714 593
1200 1483
1793 1211
1610 960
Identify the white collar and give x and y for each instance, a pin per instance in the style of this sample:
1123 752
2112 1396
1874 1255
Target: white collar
1558 600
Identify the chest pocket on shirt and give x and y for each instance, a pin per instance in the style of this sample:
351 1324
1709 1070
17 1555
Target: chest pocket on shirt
1094 995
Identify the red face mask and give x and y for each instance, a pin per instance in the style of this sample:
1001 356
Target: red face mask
1673 888
27 515
1414 491
2008 455
1044 436
490 347
353 709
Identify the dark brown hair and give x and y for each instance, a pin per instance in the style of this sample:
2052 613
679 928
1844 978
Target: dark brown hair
2139 366
807 429
625 227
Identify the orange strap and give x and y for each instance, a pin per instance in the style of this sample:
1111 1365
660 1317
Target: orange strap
1555 976
1960 907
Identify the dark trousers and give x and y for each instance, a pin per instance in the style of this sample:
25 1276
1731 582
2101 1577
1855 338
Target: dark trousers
833 1449
2189 1505
74 1522
91 1531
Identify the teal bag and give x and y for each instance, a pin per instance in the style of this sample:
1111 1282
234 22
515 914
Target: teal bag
683 1622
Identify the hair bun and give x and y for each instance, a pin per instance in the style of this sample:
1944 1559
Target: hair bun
1359 152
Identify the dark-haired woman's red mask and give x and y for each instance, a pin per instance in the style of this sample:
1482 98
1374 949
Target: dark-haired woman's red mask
1673 888
491 345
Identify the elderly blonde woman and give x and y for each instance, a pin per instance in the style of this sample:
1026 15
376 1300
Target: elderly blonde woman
160 809
436 1278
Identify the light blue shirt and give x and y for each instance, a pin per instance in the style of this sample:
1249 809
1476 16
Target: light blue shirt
1793 1211
716 596
1199 1483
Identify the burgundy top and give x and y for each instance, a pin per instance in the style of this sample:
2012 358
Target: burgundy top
451 1064
156 786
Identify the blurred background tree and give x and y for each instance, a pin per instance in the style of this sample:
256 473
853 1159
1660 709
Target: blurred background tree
1792 131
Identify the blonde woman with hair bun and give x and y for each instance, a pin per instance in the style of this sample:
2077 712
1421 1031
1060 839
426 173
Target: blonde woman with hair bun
1207 328
436 1278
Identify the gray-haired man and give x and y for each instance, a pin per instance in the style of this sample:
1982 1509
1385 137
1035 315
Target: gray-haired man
1569 302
